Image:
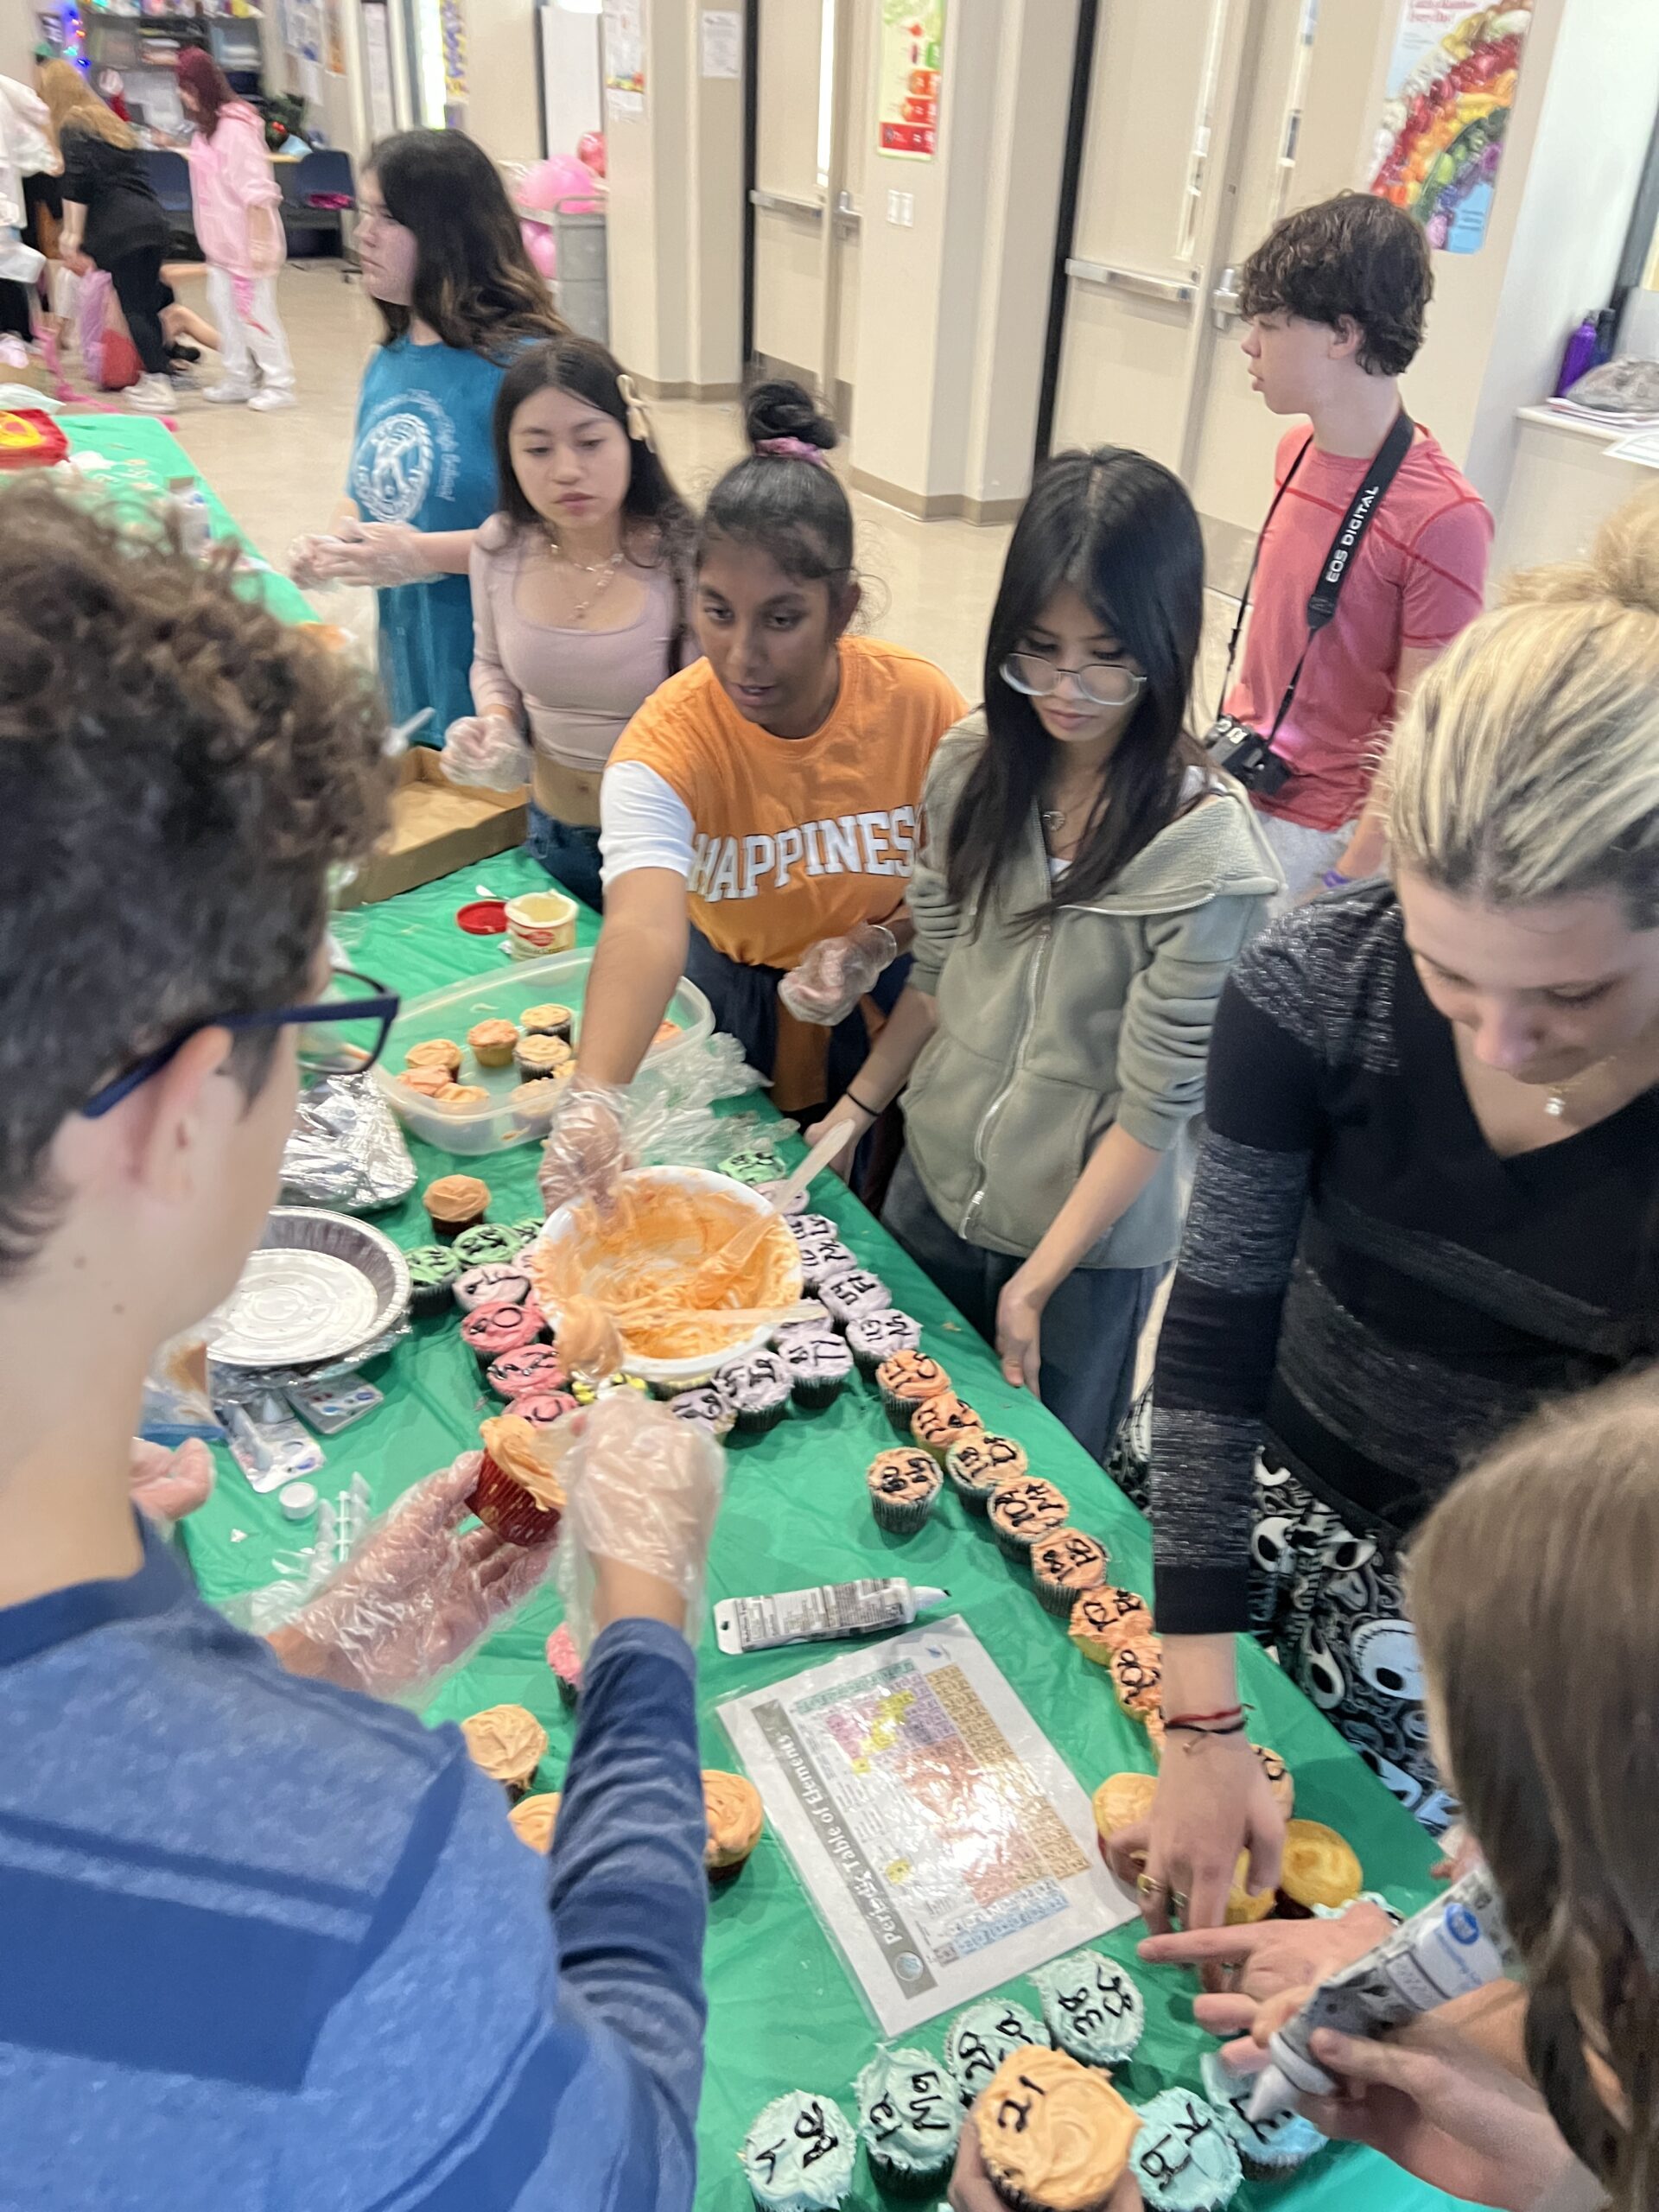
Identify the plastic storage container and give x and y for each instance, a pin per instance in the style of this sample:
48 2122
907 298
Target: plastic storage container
491 1125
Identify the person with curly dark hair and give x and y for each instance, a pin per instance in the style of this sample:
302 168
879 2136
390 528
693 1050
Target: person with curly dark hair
268 1941
1334 300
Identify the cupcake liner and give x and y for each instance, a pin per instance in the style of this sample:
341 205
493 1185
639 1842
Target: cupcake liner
719 1876
1055 1597
446 1231
910 2180
755 1421
813 1393
508 1507
902 1516
1018 1548
429 1299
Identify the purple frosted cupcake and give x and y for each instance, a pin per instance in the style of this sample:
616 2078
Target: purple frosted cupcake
706 1407
808 1227
903 1487
814 1323
496 1283
873 1338
822 1257
852 1292
757 1389
818 1368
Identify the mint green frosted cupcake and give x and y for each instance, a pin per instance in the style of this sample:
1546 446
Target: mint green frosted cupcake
910 2117
1184 2158
798 2155
1265 2147
433 1269
981 2037
1094 2011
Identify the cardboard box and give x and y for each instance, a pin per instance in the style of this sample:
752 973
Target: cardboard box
437 827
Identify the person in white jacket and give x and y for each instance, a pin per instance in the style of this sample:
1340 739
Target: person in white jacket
236 206
26 146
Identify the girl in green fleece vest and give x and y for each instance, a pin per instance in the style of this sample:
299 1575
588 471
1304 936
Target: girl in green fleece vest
1085 884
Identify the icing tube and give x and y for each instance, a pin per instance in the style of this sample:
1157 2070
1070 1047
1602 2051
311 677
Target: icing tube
817 1616
1455 1944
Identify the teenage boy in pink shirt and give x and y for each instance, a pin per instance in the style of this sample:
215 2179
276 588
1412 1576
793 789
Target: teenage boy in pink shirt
1334 300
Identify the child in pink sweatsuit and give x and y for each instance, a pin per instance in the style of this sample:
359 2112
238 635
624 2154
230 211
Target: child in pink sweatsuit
239 228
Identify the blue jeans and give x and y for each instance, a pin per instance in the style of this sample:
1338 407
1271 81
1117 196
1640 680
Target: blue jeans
1092 1326
569 854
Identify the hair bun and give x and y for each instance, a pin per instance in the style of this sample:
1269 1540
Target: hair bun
782 410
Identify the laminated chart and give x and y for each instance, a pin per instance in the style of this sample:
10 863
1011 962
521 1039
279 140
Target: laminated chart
941 1837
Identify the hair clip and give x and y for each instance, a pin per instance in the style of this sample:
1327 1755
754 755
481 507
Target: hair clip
794 450
639 420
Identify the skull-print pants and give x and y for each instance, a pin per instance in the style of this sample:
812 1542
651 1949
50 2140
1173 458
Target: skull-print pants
1329 1604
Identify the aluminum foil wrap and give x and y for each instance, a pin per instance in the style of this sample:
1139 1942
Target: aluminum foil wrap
345 1149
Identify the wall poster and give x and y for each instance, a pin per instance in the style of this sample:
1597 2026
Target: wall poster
911 71
1450 90
625 57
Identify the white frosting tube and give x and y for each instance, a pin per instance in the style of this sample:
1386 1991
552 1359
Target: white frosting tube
1455 1944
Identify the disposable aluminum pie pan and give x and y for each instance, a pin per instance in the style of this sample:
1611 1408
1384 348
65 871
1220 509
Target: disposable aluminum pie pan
319 1287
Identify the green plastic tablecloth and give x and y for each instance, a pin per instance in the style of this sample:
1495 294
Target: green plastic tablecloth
784 2013
145 458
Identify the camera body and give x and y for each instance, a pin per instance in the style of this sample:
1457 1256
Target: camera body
1243 753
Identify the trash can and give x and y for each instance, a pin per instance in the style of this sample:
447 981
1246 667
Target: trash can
581 289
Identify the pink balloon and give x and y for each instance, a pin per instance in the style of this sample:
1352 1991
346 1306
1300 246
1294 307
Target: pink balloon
559 180
540 247
590 151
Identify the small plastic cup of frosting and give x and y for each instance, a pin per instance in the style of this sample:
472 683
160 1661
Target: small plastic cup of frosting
518 1493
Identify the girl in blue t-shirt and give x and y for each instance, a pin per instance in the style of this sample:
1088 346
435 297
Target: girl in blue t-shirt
443 256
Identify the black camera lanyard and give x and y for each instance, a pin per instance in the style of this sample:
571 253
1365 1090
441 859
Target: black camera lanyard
1322 601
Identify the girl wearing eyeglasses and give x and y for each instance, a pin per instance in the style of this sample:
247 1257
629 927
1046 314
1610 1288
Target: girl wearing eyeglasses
1084 886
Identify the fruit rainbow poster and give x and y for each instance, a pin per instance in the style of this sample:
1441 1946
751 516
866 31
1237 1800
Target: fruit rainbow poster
1451 88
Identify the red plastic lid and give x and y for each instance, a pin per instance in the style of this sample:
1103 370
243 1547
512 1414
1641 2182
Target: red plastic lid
30 439
484 917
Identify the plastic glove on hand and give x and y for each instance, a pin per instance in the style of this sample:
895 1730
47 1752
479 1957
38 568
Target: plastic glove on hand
376 554
642 1492
166 1485
587 1148
834 974
485 751
417 1595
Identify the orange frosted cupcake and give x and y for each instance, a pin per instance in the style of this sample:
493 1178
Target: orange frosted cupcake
454 1203
428 1082
937 1423
492 1042
903 1487
1319 1868
507 1742
1137 1670
517 1494
909 1379
1054 2135
549 1021
1103 1618
979 1464
435 1052
731 1806
533 1820
1123 1801
538 1054
1064 1566
1023 1512
459 1094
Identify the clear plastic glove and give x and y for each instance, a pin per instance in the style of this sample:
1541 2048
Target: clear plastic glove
301 562
588 1146
835 973
486 751
416 1596
378 554
643 1491
166 1485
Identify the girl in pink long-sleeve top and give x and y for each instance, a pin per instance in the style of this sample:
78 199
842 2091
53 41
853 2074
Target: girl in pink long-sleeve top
238 225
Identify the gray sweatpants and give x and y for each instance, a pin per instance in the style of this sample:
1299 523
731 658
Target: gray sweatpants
1304 854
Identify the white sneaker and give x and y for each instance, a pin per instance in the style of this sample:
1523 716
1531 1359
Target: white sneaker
226 394
269 401
152 396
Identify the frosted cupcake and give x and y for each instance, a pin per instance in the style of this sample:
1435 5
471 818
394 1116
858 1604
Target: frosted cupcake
1319 1868
705 1408
1093 2010
426 1083
564 1662
910 2117
454 1203
441 1053
1122 1800
943 1422
1022 1512
979 1464
733 1814
488 1330
907 1380
545 1408
903 1487
874 1337
757 1389
432 1272
496 1283
1064 1566
1265 2148
758 1164
1055 2136
533 1103
1184 2158
799 2156
818 1368
517 1493
549 1020
533 1820
492 1042
822 1257
979 2040
1136 1667
1103 1618
489 1244
851 1292
507 1742
537 1056
456 1096
804 1228
814 1322
535 1367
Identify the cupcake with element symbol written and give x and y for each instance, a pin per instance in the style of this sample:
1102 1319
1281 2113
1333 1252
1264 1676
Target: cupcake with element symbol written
705 1408
756 1166
874 1337
799 2154
1055 2136
757 1389
1136 1667
979 1464
489 1244
732 1814
943 1422
851 1292
537 1367
822 1257
1093 2010
1064 1566
1023 1512
453 1203
979 2040
807 1227
906 1381
432 1272
1103 1618
488 1330
818 1368
1184 2158
507 1742
1265 2148
904 1486
518 1493
543 1408
910 2117
498 1283
813 1322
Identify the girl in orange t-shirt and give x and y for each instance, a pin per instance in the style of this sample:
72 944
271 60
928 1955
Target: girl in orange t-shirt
758 815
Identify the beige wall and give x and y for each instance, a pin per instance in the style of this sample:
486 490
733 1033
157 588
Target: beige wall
503 83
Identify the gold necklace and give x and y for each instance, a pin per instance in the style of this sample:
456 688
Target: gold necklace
605 570
1557 1094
